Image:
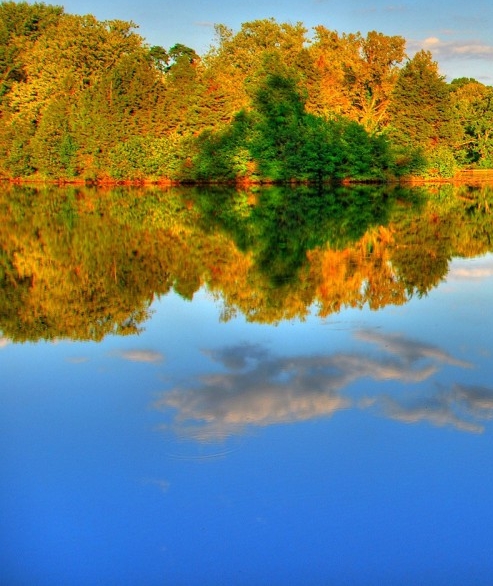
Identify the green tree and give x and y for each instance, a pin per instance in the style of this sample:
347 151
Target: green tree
421 113
473 103
63 66
276 138
237 60
54 147
21 24
182 91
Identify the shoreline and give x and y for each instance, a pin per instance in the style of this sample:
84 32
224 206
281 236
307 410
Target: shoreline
466 176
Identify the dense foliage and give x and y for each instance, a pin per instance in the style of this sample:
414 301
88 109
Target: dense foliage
82 99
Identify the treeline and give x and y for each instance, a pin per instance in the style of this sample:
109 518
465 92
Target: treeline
82 99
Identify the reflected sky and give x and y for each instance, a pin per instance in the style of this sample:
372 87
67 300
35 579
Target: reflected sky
353 449
140 355
480 269
460 406
258 388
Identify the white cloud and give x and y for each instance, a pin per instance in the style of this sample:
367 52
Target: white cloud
140 355
260 389
204 23
410 351
471 271
462 407
444 50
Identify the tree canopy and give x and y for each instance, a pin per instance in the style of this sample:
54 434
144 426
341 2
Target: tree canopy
89 100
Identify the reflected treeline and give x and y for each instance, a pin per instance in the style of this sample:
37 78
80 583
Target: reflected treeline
280 225
81 262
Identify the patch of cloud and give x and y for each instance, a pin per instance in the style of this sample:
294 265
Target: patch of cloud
205 24
140 355
467 272
476 400
238 357
226 403
472 273
4 342
410 351
260 389
453 49
462 407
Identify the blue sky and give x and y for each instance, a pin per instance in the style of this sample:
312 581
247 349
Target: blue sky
459 34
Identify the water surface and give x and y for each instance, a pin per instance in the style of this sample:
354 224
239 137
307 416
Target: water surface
270 387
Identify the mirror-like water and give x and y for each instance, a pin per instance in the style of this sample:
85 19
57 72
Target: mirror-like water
280 386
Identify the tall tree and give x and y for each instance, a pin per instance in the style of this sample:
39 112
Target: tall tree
422 119
372 78
473 103
20 25
182 90
356 75
421 110
331 54
237 59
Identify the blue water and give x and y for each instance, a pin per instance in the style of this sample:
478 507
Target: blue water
354 449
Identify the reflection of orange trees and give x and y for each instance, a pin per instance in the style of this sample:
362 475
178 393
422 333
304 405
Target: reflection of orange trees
333 280
453 222
386 266
74 271
82 264
248 291
356 276
478 204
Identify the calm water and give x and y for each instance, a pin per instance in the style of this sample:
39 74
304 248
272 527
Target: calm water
208 387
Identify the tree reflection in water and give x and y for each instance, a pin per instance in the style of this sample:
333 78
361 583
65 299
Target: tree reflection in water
81 263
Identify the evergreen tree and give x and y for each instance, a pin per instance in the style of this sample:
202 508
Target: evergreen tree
422 116
421 109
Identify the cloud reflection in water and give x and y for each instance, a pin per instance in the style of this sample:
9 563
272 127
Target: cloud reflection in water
134 355
481 269
461 406
260 389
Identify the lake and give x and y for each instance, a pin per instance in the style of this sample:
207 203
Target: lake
208 386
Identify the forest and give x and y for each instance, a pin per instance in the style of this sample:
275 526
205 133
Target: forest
83 100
